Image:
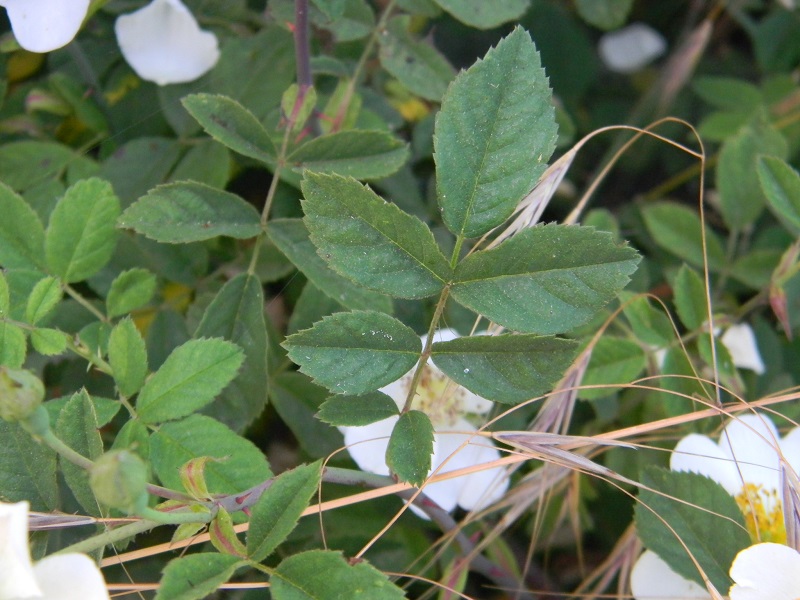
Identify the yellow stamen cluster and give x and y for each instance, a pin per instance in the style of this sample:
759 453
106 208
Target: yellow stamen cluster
438 397
763 513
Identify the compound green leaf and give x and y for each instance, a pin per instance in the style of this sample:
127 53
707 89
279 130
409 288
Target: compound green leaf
81 236
410 447
278 509
326 575
231 124
416 64
494 135
177 213
43 299
506 368
546 279
702 514
485 15
356 352
48 341
357 411
127 355
291 237
237 314
196 576
604 14
690 298
238 464
77 428
371 241
781 185
130 289
352 153
21 233
191 377
27 469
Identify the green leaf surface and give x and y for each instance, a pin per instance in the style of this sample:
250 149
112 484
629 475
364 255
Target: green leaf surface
357 411
370 241
614 361
139 165
707 520
196 576
781 185
27 469
604 14
690 298
494 135
25 163
43 299
677 229
21 233
178 213
77 428
356 352
546 279
482 14
278 509
410 447
130 289
81 236
127 355
237 314
191 377
297 400
362 154
291 237
728 93
49 342
326 575
417 64
13 345
5 296
231 124
240 463
741 199
648 320
506 368
206 161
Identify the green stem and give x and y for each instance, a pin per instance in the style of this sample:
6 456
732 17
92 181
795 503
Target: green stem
174 518
109 537
75 295
54 443
426 351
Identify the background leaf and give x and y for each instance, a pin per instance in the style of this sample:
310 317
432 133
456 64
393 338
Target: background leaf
356 352
240 463
27 469
178 213
781 186
21 233
127 355
81 236
494 134
190 378
195 576
546 279
614 361
370 241
484 15
130 289
237 315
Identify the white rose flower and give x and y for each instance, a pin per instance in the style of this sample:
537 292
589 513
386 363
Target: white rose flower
446 404
45 25
56 577
766 572
746 462
163 43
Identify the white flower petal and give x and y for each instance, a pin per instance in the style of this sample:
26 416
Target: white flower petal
699 454
790 447
397 390
45 25
163 43
70 577
367 445
741 344
653 579
631 48
751 440
766 572
17 579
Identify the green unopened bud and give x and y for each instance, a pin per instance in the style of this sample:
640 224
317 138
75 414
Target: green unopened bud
119 480
21 393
